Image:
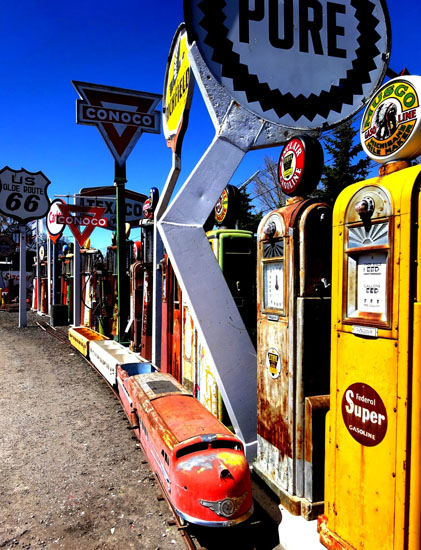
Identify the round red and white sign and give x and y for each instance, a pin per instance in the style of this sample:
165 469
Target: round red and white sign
364 414
300 166
55 228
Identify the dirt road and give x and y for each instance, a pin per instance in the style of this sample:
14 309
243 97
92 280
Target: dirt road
71 475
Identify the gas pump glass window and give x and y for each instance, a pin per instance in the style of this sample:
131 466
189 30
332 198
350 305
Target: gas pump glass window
273 276
368 274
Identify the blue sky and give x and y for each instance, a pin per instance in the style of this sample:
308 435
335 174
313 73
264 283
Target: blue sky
46 44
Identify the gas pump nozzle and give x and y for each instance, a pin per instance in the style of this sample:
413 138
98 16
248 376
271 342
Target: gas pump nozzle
365 209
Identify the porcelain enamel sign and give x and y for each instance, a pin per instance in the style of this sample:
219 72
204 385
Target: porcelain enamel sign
298 63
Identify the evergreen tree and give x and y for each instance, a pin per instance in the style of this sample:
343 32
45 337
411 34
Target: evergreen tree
247 218
342 164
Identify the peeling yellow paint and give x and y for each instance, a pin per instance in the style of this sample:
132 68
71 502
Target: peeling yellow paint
231 459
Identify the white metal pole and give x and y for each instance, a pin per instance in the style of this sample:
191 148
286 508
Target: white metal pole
38 273
22 278
76 278
49 274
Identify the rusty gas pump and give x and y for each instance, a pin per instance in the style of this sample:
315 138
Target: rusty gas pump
293 295
141 273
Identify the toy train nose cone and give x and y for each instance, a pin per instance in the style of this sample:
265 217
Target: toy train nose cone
225 473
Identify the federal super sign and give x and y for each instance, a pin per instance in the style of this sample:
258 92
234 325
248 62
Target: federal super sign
120 115
306 64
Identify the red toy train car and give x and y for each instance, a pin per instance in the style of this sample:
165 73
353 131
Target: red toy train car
199 462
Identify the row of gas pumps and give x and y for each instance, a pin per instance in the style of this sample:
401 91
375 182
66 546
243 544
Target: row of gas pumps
338 361
337 336
338 354
337 350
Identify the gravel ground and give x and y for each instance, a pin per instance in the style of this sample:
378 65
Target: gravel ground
72 475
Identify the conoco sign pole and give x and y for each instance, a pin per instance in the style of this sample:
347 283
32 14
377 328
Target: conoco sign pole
22 278
122 288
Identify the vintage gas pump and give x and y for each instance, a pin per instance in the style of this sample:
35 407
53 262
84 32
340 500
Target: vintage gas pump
235 252
293 295
44 280
141 281
136 296
172 322
65 277
373 438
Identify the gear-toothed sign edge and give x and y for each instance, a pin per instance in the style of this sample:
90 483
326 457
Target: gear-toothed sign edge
402 127
178 100
119 143
277 105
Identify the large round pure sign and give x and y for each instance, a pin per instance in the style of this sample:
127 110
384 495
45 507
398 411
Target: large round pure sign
307 64
364 414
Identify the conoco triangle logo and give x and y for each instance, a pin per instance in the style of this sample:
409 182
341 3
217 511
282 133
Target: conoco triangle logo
91 216
120 115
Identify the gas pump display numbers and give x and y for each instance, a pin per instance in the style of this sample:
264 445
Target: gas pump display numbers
371 288
273 284
368 286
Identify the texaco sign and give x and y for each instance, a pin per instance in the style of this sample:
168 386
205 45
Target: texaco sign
297 63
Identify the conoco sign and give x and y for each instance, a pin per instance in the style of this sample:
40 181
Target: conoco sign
364 414
298 63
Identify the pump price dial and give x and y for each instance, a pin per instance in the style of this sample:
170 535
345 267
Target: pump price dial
273 284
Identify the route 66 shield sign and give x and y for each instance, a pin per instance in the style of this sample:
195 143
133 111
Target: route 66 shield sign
23 194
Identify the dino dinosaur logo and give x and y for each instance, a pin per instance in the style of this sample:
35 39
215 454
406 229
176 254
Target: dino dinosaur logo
390 123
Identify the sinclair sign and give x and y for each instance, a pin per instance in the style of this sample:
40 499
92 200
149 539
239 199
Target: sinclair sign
296 63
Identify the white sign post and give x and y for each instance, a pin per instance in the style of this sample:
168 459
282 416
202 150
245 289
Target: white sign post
23 197
22 277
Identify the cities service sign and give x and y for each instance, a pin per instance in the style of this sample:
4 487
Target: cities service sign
308 64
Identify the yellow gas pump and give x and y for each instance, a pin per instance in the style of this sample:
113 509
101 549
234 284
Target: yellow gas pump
372 492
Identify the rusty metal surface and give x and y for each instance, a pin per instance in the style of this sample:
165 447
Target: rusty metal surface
316 408
189 351
299 336
171 343
329 539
